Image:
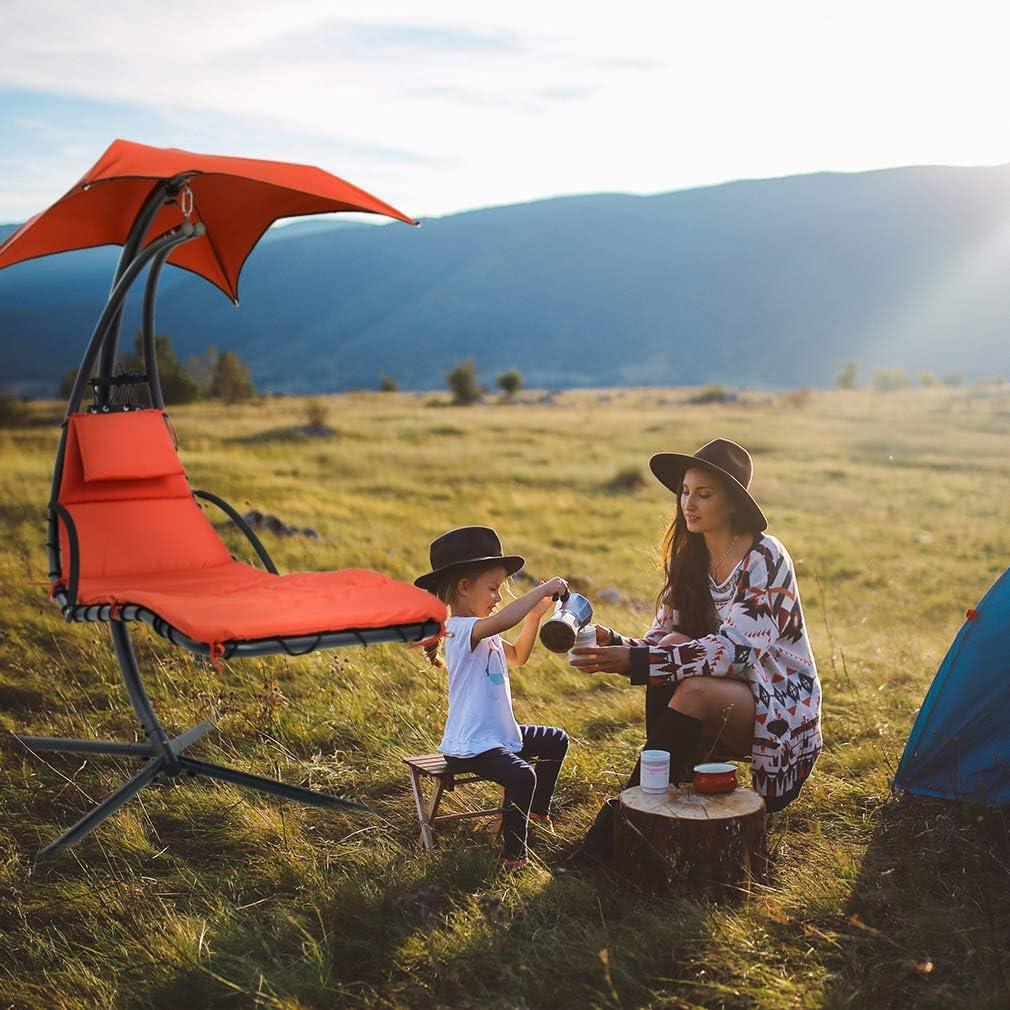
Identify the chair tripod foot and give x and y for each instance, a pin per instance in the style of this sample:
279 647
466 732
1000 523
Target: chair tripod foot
190 737
106 808
264 785
69 746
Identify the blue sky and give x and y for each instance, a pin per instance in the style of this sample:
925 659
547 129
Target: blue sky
452 106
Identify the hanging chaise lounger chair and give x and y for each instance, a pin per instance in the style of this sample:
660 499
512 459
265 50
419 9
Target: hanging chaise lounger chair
127 539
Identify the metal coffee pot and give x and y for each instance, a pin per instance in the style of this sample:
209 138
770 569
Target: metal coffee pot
572 613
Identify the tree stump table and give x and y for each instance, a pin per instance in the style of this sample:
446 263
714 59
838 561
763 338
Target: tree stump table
686 842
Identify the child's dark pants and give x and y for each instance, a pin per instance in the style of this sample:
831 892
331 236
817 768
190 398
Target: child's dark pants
526 790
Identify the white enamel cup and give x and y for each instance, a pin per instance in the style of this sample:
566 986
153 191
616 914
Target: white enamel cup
655 771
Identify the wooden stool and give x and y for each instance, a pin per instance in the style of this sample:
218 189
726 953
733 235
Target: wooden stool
684 841
433 766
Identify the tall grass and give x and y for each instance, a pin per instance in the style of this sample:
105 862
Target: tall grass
895 511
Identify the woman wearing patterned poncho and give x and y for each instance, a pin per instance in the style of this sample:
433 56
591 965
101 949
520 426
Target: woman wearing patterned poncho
727 662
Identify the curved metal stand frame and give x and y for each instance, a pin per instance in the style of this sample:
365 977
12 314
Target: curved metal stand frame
163 753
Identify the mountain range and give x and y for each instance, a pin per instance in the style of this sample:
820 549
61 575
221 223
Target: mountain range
772 283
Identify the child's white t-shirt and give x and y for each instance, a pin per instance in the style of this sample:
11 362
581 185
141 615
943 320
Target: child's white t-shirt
480 699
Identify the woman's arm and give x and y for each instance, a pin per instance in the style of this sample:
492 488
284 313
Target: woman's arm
511 614
764 606
662 625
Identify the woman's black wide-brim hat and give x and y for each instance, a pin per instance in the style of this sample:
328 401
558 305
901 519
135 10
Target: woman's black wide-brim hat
469 545
729 461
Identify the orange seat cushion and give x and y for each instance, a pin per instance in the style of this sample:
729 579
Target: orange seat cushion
235 602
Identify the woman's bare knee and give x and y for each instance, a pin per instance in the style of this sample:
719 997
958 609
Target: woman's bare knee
691 697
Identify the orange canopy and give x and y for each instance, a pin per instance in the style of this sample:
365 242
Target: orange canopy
237 199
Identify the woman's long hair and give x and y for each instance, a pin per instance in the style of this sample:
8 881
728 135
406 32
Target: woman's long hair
685 566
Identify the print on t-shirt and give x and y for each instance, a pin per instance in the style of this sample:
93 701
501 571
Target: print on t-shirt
495 667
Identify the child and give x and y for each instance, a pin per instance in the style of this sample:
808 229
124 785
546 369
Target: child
481 733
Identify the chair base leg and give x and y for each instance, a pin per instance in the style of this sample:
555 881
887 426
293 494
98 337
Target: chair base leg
106 808
264 785
70 746
170 765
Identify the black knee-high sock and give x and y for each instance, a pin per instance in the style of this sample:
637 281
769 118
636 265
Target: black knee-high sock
674 732
679 734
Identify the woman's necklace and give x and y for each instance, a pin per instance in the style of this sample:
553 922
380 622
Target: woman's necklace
714 569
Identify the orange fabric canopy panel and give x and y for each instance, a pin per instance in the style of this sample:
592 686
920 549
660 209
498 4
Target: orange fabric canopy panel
237 199
143 539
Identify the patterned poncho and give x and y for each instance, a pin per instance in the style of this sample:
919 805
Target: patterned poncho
762 640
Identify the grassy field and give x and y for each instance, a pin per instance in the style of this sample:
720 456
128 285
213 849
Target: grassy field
895 509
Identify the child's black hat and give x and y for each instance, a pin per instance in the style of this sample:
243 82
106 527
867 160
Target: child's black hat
466 546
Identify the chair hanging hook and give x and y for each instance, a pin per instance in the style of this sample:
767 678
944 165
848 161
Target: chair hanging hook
186 202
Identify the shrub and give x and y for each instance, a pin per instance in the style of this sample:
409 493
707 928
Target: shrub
886 380
797 398
317 413
713 394
387 384
952 379
463 384
927 379
14 412
510 382
847 377
626 481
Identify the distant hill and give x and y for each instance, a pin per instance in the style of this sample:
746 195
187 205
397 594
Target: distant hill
772 282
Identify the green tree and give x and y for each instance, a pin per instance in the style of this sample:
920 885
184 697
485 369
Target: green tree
927 379
177 385
387 384
201 369
510 382
231 381
848 376
886 380
67 382
952 379
14 412
463 384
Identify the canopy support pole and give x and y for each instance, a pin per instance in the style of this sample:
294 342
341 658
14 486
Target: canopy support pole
162 192
150 349
177 236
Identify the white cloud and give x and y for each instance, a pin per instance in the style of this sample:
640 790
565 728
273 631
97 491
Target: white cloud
463 105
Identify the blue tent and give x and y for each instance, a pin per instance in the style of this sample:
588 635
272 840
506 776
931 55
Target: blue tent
959 747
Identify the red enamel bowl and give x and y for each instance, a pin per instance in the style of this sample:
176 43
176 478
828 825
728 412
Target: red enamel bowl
715 777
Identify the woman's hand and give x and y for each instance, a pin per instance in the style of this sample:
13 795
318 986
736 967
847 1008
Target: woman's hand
601 659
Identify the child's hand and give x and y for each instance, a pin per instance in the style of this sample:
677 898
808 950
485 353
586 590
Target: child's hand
542 607
555 587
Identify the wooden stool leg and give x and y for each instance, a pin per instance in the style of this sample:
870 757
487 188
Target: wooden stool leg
436 799
427 838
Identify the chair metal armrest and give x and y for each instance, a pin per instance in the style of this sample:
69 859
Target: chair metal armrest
234 516
75 556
